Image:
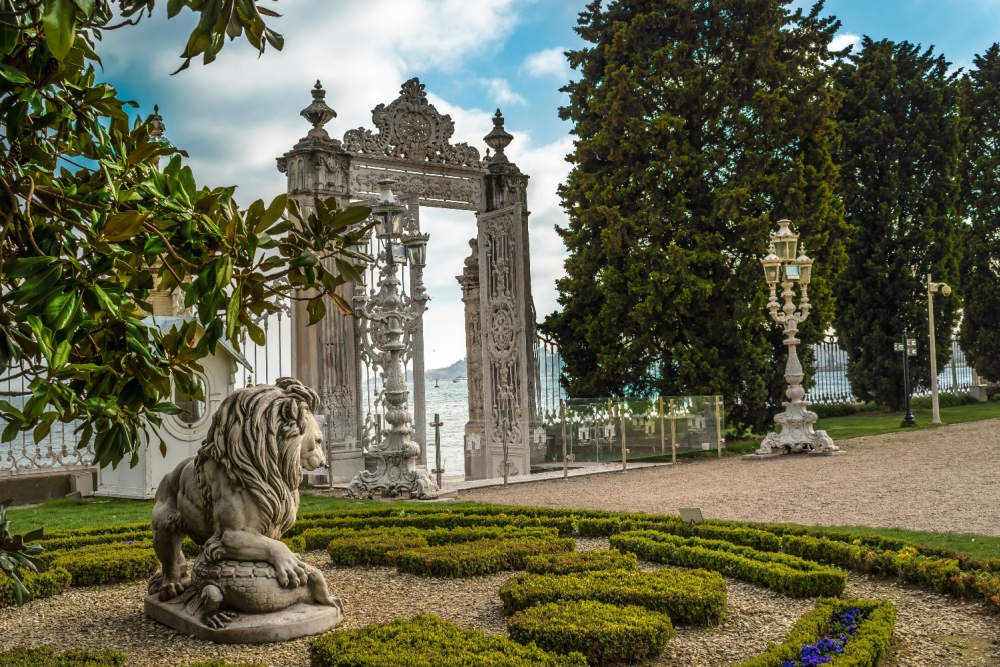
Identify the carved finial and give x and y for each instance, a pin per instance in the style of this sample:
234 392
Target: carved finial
498 139
156 125
318 113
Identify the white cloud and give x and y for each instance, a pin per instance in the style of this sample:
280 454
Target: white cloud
840 42
548 62
501 92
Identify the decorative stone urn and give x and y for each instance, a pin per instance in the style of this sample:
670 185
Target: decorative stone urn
235 499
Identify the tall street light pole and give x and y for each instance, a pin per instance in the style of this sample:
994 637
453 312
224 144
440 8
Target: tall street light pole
946 290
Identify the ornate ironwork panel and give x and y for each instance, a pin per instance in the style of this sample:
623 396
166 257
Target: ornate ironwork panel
505 380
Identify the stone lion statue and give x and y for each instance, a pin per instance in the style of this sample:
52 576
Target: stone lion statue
235 498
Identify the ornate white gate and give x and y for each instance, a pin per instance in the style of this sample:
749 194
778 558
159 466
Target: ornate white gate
411 145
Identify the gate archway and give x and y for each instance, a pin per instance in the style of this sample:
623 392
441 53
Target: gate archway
412 145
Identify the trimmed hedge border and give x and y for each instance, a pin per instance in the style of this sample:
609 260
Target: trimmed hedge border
786 574
471 559
581 561
864 649
107 566
688 597
428 641
372 547
53 581
938 568
604 633
45 656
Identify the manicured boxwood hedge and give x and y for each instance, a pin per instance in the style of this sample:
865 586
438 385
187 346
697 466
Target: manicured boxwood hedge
864 649
937 568
581 561
45 656
786 574
604 633
471 559
320 538
688 597
428 641
372 547
53 581
100 565
78 541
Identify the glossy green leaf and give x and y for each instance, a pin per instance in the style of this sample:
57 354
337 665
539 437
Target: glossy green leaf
125 225
59 22
13 74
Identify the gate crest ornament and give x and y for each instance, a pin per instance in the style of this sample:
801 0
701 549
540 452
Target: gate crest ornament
413 129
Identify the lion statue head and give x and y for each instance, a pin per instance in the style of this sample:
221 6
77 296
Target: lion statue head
263 437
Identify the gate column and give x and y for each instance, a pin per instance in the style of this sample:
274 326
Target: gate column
324 356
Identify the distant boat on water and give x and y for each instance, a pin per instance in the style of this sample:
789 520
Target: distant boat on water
460 378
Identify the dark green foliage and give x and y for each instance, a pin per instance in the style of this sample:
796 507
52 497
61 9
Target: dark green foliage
980 279
944 401
17 559
296 544
780 572
45 656
428 641
61 543
372 547
899 166
686 596
698 126
863 650
103 565
581 561
604 633
53 581
847 409
97 213
471 559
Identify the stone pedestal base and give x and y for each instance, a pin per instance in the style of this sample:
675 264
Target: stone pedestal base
299 620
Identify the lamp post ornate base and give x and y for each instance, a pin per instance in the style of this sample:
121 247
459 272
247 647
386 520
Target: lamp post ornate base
796 434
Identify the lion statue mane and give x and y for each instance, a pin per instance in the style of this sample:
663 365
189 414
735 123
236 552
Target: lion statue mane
239 494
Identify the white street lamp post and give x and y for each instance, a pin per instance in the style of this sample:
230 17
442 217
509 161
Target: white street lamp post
796 422
946 290
384 334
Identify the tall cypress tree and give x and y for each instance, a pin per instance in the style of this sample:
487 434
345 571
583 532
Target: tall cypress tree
699 125
981 198
899 159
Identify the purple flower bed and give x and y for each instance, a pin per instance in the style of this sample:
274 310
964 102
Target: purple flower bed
822 652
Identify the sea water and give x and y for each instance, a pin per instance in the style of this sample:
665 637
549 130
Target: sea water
451 401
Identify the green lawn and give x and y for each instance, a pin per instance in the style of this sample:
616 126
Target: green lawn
105 512
842 428
980 546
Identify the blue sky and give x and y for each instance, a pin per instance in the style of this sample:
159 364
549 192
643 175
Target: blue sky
236 115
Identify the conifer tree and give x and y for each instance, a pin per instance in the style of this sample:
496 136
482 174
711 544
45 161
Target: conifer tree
899 160
981 198
698 125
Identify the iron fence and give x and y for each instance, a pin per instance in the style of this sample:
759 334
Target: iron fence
831 386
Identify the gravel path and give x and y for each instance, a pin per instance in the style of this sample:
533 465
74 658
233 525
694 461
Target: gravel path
931 629
933 479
